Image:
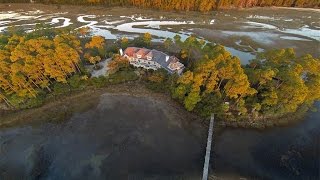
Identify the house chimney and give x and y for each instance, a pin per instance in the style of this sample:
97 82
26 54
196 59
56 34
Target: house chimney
167 58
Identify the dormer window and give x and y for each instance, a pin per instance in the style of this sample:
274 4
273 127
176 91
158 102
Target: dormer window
149 58
138 56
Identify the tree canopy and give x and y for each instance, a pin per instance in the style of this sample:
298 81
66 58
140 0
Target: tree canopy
32 63
185 5
273 84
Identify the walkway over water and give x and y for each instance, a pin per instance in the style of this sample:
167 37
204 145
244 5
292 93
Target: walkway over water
208 150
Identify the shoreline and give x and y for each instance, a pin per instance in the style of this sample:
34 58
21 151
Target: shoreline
265 124
61 108
272 8
298 9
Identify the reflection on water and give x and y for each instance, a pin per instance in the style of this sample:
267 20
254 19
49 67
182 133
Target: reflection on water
129 27
305 31
245 57
294 38
129 136
123 136
279 153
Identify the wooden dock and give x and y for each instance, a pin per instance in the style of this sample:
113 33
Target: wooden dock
208 150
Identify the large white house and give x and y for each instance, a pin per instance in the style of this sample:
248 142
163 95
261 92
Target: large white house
152 59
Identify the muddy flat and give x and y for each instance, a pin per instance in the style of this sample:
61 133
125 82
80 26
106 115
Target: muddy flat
243 32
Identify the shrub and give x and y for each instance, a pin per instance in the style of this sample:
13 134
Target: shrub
77 82
26 102
122 76
60 88
99 82
114 49
161 81
118 63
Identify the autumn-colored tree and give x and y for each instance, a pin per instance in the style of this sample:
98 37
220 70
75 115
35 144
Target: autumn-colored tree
187 5
147 38
117 63
224 3
84 31
266 2
94 1
156 77
29 64
189 45
124 42
222 75
5 99
207 5
95 49
92 59
285 82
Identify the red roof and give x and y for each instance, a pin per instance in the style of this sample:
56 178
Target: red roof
131 50
142 52
149 54
134 52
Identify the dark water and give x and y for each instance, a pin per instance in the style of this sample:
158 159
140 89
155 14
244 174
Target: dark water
279 153
123 137
139 138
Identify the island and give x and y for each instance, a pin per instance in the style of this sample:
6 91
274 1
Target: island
275 85
135 89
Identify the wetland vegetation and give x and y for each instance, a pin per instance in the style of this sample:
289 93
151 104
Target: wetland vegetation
266 75
51 62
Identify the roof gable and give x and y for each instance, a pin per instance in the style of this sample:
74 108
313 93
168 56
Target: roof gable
131 50
170 63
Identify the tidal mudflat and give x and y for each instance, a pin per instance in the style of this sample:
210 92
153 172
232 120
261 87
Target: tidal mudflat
243 32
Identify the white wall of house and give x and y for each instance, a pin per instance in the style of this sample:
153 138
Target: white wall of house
180 71
150 64
147 64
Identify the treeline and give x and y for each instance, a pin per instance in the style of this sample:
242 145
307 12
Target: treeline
274 84
44 61
208 5
14 1
186 5
49 62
